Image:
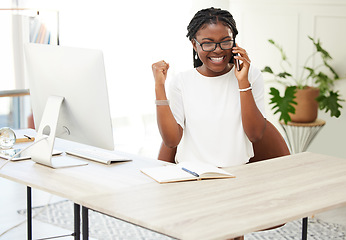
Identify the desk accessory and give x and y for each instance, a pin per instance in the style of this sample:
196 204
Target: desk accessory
22 150
185 171
24 138
16 154
7 138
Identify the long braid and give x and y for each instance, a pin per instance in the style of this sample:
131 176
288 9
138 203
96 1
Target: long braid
209 16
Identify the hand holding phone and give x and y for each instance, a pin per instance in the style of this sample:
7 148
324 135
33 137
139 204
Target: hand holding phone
237 63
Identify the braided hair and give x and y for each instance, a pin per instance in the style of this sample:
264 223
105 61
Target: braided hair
209 16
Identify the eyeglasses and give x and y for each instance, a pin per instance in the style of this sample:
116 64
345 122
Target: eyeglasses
211 46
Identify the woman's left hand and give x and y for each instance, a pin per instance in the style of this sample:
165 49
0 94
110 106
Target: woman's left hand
242 55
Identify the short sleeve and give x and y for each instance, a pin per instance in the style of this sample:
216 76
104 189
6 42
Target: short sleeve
174 95
257 82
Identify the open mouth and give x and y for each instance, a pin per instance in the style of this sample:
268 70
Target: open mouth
217 59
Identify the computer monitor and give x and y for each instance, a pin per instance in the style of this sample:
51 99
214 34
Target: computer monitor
69 99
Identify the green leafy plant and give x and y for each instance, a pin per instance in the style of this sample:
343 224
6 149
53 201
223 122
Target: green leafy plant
328 99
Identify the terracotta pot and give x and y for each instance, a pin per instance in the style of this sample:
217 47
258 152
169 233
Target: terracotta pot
307 106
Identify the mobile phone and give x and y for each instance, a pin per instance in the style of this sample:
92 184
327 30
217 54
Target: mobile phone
237 63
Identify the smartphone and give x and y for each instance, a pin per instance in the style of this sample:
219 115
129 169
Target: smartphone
8 153
237 63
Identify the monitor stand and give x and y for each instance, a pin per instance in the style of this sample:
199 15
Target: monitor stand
41 152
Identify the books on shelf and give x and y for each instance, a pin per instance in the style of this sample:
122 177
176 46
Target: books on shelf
38 31
185 171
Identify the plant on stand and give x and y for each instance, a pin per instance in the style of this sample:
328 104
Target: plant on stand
317 81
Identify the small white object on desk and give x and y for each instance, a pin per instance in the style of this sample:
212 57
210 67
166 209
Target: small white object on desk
9 153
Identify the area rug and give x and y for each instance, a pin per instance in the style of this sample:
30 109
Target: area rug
105 227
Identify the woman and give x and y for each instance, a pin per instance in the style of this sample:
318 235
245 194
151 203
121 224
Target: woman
214 111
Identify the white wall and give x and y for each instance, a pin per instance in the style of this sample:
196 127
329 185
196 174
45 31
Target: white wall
132 35
161 27
289 23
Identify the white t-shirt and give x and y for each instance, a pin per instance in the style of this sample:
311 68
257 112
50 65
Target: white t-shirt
208 109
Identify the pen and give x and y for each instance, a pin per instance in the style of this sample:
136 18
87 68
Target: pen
27 137
193 173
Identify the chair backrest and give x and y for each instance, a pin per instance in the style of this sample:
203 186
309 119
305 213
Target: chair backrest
167 154
271 145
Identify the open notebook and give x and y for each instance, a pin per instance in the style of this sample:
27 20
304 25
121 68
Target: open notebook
185 171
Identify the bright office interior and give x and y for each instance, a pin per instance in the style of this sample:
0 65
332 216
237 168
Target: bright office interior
134 34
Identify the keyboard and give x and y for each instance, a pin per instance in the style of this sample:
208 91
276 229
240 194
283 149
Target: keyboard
98 155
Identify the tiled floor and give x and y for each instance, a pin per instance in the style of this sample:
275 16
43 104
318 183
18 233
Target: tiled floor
337 215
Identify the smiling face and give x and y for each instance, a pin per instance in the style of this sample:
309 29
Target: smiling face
215 63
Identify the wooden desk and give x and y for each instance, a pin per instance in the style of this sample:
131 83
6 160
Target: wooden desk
262 195
299 137
76 182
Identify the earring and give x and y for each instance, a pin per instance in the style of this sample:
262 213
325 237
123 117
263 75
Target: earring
196 56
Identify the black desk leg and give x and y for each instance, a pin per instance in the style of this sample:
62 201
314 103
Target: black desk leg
29 212
85 223
305 229
76 222
76 218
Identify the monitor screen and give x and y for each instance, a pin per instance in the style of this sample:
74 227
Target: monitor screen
78 76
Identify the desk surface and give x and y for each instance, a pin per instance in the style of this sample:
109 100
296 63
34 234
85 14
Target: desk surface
262 195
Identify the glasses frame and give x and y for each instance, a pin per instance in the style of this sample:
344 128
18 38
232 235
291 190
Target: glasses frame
215 46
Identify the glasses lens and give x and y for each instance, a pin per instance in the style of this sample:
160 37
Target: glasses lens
208 46
226 45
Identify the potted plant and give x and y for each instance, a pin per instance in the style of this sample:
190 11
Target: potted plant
317 82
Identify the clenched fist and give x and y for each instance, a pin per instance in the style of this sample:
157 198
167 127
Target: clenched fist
160 71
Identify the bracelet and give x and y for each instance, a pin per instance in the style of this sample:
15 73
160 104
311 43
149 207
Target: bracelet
161 102
245 89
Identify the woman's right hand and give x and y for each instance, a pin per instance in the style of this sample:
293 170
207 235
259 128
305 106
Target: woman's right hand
171 132
160 71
